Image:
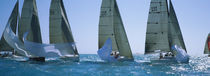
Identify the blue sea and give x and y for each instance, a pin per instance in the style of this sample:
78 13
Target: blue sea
92 65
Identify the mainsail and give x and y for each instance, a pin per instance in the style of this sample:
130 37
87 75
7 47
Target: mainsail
111 26
29 22
4 46
157 27
175 34
207 45
60 31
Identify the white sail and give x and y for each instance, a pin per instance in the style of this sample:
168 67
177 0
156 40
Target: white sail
111 26
175 35
157 27
207 45
60 31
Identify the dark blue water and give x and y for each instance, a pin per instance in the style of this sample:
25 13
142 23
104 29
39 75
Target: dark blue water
91 65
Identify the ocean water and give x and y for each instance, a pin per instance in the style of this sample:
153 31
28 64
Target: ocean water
91 65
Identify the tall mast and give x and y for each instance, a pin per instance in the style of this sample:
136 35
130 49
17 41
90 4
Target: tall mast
157 27
29 22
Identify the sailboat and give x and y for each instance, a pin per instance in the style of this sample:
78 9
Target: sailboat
60 31
4 46
27 23
163 31
62 44
31 47
113 42
207 46
10 36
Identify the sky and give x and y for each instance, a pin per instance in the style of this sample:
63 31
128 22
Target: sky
83 16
